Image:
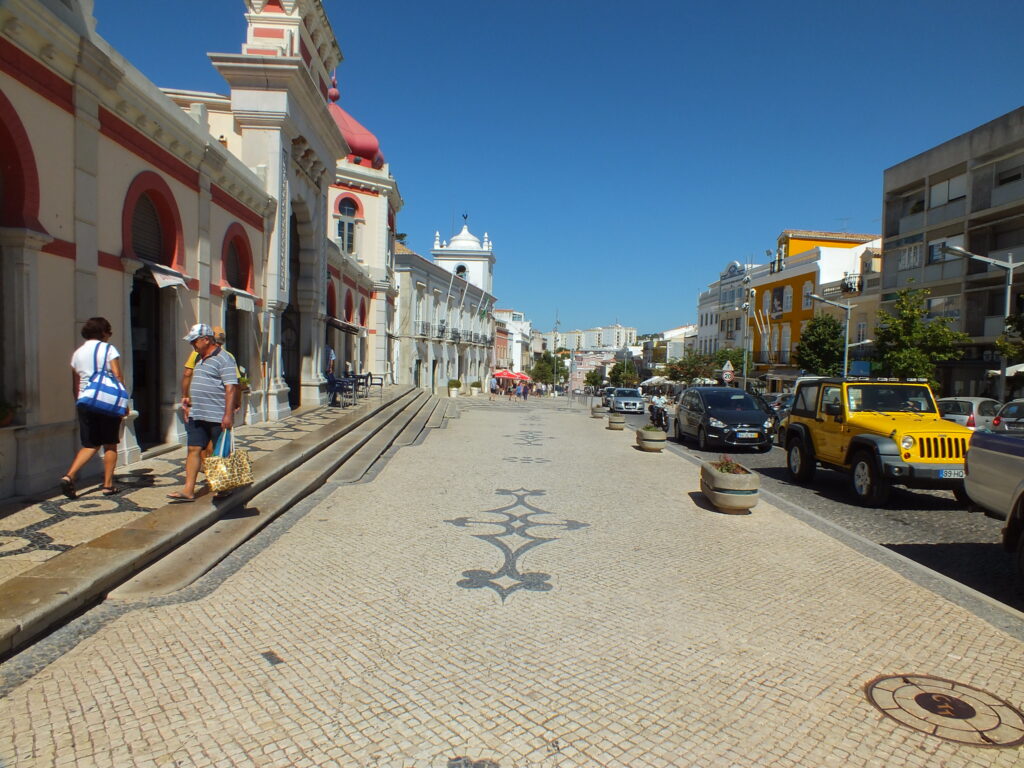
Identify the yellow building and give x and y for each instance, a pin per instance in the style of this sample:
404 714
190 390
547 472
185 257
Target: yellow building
782 304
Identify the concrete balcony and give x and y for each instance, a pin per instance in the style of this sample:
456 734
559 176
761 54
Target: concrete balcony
421 328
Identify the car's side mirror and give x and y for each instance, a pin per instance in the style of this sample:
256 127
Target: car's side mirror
833 409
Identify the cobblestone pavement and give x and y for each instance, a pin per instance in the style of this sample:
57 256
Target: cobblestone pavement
527 589
930 527
33 530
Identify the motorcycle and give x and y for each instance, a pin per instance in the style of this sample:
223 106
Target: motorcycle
659 417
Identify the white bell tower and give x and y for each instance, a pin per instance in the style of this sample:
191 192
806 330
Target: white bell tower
467 257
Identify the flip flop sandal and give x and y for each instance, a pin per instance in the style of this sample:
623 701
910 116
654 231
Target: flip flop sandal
111 491
67 487
179 498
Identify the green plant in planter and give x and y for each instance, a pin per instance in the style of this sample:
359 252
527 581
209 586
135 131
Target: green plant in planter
651 428
243 379
454 384
727 465
477 384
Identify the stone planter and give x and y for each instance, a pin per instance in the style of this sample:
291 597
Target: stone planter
474 391
453 392
597 411
617 421
651 440
732 494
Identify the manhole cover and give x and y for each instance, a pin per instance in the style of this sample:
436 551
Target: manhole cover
950 710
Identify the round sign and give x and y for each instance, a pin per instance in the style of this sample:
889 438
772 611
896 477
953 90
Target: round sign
726 376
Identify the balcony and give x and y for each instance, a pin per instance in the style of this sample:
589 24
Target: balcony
439 331
852 283
454 334
421 328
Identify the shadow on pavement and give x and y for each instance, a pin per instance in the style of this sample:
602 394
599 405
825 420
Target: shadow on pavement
988 568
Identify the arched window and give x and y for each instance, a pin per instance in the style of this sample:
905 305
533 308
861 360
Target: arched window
462 271
332 299
150 222
808 289
350 307
147 238
345 224
236 259
362 313
787 298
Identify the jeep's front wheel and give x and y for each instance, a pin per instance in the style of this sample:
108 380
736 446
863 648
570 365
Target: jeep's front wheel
870 488
798 462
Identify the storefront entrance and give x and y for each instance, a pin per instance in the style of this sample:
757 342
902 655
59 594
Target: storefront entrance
146 360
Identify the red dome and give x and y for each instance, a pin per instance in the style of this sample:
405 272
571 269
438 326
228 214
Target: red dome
362 143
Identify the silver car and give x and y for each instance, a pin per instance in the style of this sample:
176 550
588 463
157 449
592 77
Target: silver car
1010 418
970 412
627 401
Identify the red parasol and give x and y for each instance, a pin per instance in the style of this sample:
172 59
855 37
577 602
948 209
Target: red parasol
504 375
521 376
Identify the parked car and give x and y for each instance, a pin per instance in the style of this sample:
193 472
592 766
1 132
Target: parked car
626 400
606 396
995 481
781 406
1010 418
970 412
880 432
722 416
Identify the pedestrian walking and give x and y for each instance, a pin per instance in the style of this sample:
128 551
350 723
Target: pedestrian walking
209 407
219 338
493 388
96 430
330 359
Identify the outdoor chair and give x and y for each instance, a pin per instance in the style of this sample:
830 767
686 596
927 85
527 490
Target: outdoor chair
344 389
375 381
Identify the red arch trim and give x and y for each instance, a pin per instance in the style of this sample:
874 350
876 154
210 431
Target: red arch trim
236 234
362 313
350 309
332 299
160 193
354 199
18 166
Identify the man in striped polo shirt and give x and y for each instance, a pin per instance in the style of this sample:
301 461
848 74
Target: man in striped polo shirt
210 406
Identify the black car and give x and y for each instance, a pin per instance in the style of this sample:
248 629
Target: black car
723 417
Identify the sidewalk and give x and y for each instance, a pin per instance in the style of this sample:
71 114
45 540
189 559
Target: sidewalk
37 529
496 597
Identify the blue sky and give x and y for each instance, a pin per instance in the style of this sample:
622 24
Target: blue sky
621 154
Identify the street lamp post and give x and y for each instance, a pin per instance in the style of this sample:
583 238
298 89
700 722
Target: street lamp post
953 250
846 327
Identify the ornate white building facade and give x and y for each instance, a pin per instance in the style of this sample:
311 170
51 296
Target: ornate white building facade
445 315
160 209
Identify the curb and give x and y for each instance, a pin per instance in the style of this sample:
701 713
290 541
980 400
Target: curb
32 602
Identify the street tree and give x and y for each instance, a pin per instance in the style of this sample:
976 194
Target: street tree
1011 343
548 369
623 375
820 349
908 343
731 354
692 365
593 379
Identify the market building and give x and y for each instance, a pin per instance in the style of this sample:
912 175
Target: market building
162 208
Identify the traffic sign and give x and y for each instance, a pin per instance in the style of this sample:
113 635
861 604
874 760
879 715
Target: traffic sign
728 366
726 375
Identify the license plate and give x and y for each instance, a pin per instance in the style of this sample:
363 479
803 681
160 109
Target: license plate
951 473
747 435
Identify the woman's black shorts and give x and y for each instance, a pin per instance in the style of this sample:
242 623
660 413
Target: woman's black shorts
97 429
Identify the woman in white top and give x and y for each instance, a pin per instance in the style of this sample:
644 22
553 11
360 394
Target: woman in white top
96 429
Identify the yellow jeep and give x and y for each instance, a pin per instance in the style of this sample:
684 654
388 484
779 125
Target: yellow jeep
883 432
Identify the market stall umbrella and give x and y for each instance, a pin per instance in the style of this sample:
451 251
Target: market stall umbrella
504 375
521 376
654 380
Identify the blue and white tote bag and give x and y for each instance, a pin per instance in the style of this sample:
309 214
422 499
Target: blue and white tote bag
103 393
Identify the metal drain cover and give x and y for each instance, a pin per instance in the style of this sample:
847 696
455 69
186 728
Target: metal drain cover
950 710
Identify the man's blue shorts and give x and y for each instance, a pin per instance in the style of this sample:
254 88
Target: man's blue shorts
202 432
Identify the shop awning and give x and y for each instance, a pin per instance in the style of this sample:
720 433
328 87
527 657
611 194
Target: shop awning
343 326
244 300
166 277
